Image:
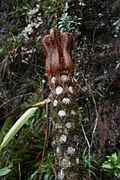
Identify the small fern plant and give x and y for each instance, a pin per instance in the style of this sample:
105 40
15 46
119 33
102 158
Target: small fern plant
67 23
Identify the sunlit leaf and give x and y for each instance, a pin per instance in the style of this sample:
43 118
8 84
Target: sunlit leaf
20 122
4 171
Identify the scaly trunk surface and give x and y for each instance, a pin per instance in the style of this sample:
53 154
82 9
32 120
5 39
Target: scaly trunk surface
60 69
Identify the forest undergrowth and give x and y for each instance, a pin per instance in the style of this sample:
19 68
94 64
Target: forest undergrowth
95 26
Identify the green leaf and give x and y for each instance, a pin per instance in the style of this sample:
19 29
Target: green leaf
113 157
4 171
107 166
16 127
112 165
118 166
51 177
20 122
117 173
46 177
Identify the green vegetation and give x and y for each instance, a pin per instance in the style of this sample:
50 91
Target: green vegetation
4 171
90 164
52 7
28 115
23 83
82 119
112 164
45 170
16 127
69 24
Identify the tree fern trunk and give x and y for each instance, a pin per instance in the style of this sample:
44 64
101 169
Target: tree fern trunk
60 69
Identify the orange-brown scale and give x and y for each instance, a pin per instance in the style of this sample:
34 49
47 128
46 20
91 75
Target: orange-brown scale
47 44
67 44
58 56
57 40
52 59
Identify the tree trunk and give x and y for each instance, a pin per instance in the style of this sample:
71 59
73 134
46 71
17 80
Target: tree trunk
60 69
